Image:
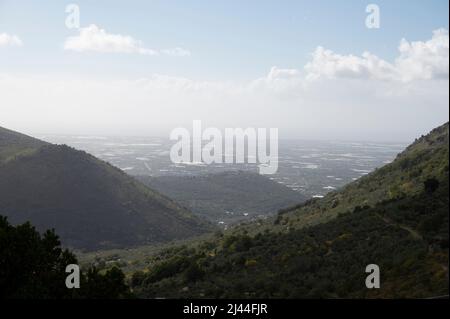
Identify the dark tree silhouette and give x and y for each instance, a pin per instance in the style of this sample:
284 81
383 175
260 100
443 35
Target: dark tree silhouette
431 185
33 266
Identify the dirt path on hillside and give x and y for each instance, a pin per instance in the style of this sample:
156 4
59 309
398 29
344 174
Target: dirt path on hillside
414 233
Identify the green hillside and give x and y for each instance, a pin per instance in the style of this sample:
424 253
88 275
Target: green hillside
14 144
396 217
227 197
90 203
426 158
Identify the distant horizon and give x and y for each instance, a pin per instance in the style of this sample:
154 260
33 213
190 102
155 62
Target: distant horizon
106 136
38 134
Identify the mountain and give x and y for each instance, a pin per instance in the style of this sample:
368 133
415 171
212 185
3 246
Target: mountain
90 203
396 218
228 197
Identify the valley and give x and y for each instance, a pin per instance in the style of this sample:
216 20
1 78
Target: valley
280 245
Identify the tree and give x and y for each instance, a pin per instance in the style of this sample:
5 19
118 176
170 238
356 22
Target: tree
34 266
431 185
110 285
194 272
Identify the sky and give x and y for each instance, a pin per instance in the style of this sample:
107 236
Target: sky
312 69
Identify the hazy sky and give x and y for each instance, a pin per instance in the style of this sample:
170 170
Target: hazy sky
311 68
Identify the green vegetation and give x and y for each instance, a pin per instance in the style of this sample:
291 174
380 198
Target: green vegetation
326 260
397 218
33 266
13 145
90 203
226 196
136 258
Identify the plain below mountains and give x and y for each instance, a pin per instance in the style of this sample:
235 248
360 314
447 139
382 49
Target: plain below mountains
226 198
89 203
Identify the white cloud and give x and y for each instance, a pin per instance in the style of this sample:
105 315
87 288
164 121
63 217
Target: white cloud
326 63
92 38
9 40
416 61
95 39
425 60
